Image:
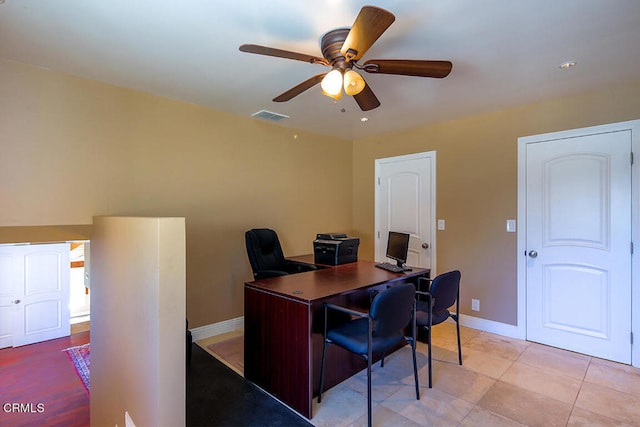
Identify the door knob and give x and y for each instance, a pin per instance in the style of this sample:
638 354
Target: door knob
16 301
425 246
533 254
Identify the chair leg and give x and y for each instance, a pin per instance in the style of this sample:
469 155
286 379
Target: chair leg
415 368
324 354
459 347
429 355
369 391
382 361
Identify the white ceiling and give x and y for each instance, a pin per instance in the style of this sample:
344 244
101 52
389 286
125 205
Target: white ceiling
504 52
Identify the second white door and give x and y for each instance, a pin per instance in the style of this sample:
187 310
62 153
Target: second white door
405 202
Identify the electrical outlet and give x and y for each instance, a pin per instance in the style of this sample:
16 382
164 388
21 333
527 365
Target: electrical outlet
475 304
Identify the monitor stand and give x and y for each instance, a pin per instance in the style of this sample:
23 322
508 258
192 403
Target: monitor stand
403 266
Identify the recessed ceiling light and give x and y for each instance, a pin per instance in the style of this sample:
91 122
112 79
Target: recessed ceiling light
364 119
567 64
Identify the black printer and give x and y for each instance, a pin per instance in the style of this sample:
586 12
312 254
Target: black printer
335 248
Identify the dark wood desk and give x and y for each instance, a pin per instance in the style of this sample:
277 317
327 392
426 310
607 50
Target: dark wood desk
283 321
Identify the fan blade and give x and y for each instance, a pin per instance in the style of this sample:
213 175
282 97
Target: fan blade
279 53
366 99
370 23
408 67
297 90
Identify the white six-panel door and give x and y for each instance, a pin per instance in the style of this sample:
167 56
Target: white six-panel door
578 243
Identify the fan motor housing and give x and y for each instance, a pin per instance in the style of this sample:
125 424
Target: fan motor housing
331 43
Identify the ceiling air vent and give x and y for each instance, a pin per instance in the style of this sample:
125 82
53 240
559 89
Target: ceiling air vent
269 115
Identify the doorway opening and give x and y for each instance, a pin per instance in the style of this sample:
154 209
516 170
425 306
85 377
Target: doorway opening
79 301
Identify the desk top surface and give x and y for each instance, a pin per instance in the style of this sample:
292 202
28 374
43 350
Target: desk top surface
332 280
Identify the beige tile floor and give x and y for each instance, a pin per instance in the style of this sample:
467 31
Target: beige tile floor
502 382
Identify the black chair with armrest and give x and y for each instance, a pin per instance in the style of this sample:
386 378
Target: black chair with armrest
376 332
443 293
266 256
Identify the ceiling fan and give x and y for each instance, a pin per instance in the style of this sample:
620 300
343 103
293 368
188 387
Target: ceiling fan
342 48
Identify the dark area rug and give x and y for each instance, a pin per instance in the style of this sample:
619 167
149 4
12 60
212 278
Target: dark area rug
217 396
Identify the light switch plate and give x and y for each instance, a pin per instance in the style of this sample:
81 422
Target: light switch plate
441 224
511 225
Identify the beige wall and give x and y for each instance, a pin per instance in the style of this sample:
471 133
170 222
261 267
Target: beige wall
137 321
72 149
477 186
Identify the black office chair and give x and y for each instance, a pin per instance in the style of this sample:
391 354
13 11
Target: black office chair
444 292
375 332
266 256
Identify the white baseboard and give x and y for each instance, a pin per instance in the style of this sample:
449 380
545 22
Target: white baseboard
493 327
219 328
484 325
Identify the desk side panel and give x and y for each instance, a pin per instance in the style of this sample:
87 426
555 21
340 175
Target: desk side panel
277 347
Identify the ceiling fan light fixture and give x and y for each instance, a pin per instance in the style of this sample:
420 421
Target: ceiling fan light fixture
341 49
335 97
332 83
353 83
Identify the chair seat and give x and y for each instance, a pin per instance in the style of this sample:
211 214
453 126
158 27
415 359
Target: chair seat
422 315
353 337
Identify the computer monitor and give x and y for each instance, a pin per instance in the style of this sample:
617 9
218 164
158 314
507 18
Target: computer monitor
397 247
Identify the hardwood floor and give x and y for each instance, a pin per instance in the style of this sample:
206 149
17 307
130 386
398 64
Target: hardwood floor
41 380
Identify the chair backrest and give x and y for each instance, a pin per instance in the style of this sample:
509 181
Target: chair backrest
444 290
263 249
392 309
